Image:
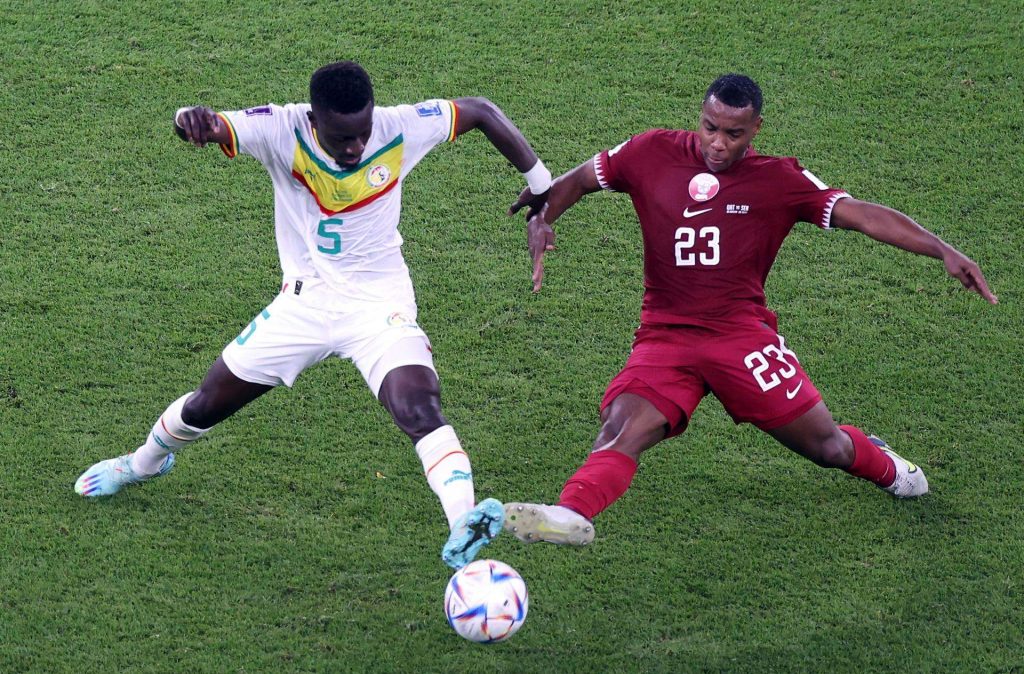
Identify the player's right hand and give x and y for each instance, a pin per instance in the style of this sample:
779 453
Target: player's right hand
198 125
540 238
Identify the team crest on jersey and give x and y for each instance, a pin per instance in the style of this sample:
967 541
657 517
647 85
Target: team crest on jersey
400 320
378 175
703 187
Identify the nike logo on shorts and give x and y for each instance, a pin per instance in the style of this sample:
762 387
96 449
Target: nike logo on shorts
687 213
792 394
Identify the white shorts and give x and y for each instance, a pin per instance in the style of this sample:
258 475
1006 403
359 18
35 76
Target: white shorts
289 336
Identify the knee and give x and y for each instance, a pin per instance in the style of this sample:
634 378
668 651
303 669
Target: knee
198 411
417 415
630 438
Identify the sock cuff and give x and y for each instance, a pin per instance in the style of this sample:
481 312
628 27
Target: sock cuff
860 443
173 425
440 438
869 462
855 434
599 482
613 457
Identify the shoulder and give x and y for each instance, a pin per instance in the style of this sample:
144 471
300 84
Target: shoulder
786 180
651 141
272 119
414 115
662 137
387 112
423 110
268 112
288 112
777 166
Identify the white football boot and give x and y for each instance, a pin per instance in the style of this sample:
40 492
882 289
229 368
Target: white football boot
910 480
534 522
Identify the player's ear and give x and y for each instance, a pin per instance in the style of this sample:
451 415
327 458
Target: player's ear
757 125
312 118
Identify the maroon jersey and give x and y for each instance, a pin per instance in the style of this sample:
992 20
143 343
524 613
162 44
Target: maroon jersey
709 238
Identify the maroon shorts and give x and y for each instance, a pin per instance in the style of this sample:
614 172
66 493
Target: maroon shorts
746 366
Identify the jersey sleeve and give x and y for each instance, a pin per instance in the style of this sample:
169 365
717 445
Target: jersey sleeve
426 125
617 168
811 198
259 132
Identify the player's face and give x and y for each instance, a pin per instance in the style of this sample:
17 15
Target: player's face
725 133
343 136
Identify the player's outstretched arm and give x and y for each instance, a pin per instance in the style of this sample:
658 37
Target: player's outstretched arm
480 113
200 125
565 192
898 229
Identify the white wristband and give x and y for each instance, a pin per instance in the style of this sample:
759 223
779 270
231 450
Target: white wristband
538 178
177 115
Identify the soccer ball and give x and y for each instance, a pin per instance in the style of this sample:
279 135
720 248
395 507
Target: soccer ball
486 601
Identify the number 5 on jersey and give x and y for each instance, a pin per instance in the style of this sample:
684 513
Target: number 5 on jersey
332 238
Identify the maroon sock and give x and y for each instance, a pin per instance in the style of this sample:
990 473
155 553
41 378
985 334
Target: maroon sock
599 482
869 462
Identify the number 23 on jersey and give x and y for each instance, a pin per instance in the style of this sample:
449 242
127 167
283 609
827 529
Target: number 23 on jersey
695 246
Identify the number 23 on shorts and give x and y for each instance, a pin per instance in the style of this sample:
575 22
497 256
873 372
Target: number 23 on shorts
758 364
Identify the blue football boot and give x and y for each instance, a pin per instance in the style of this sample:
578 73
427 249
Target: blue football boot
473 531
107 477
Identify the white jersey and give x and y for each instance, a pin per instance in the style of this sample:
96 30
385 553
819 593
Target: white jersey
336 228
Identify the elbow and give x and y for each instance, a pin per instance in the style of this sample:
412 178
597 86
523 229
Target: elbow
480 112
479 103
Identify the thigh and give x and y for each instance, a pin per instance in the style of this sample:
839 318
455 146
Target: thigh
382 339
757 377
280 342
675 392
631 424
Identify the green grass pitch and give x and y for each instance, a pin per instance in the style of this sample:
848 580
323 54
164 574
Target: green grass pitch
300 535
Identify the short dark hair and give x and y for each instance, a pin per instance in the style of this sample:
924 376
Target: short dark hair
736 91
341 87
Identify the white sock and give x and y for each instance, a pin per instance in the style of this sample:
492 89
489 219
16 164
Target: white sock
448 472
169 433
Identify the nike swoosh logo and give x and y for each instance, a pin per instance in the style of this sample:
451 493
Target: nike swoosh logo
792 394
689 214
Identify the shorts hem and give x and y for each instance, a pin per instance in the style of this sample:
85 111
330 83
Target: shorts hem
675 417
248 375
375 386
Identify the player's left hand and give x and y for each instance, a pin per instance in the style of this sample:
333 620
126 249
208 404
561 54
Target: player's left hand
532 202
540 238
967 271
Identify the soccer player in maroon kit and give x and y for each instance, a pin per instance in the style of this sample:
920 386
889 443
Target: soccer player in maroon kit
713 215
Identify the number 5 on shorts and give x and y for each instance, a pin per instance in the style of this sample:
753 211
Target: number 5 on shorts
244 337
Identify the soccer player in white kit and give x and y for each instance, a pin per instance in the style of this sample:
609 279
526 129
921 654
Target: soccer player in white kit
337 166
